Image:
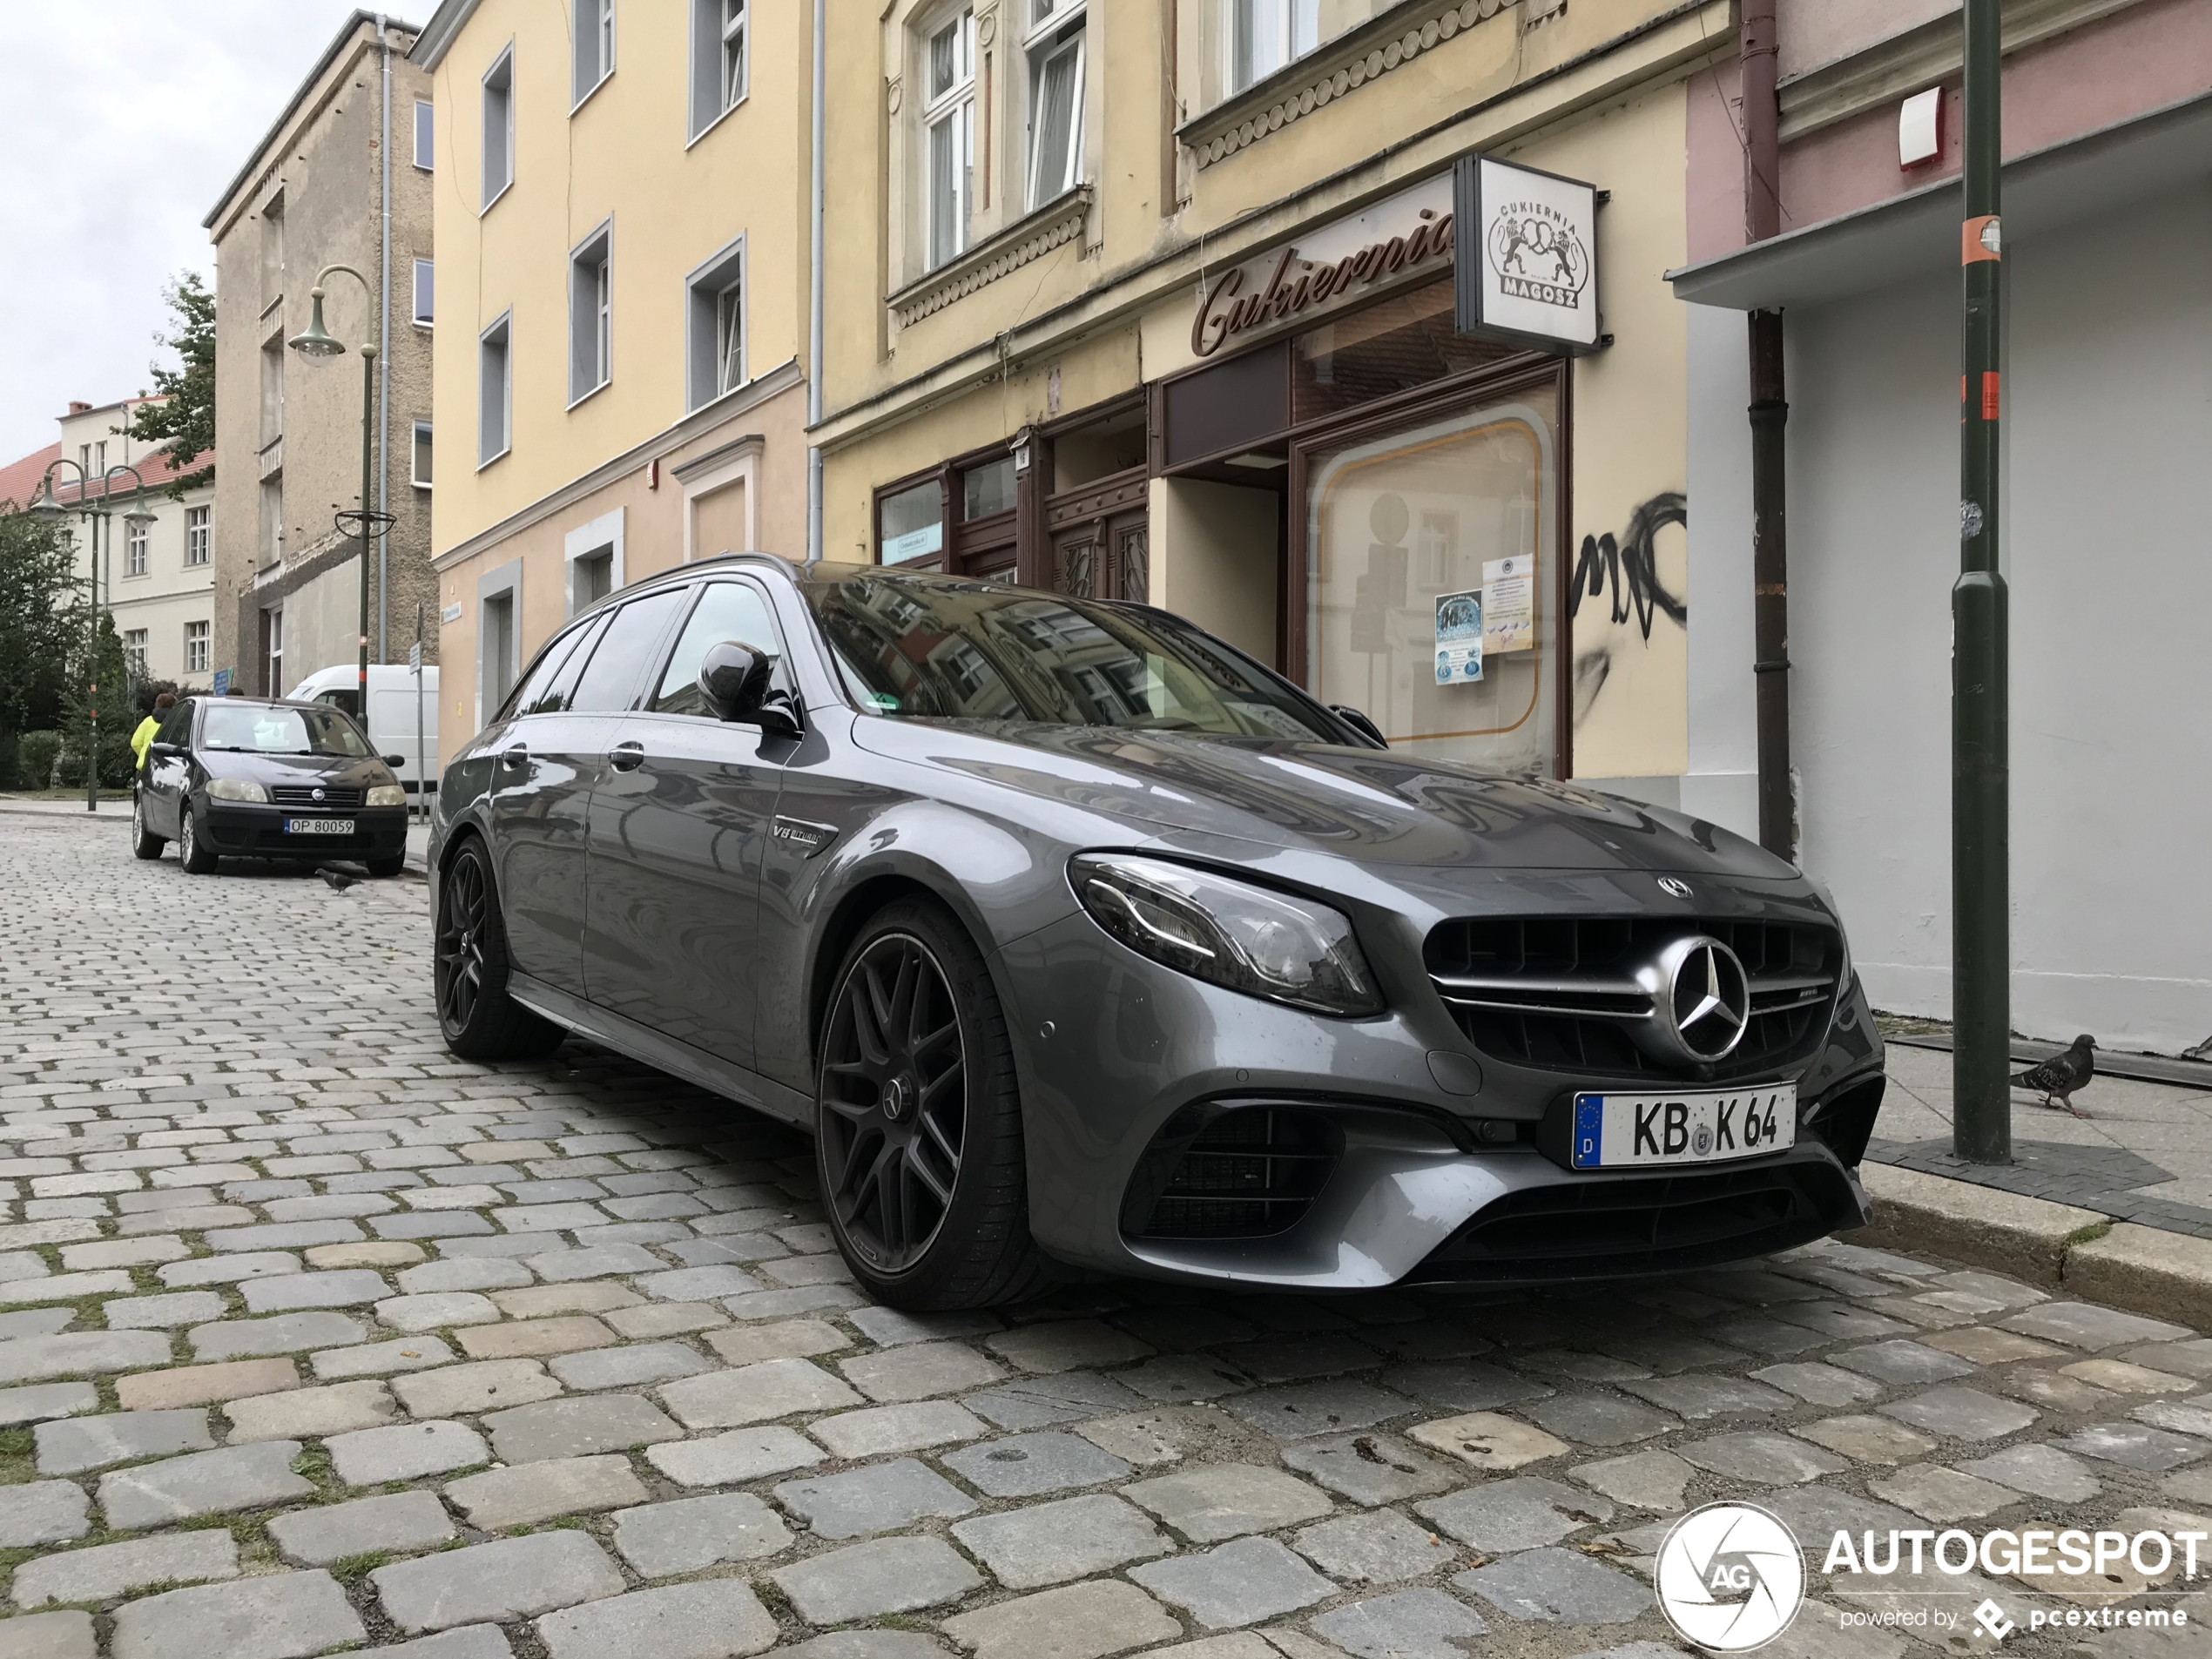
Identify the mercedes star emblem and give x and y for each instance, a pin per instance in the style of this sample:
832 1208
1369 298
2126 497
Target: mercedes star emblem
1701 1001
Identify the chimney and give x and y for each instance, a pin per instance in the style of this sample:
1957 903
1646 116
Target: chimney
77 405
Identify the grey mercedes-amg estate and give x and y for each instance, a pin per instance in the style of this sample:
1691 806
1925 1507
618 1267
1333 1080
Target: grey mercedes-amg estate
1078 939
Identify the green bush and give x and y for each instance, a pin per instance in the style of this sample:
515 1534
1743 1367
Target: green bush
115 761
35 754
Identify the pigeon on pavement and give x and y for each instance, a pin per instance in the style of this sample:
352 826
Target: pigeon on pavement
2061 1075
339 880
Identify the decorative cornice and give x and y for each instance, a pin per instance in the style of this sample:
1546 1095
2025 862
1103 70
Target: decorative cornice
700 422
1919 57
1320 78
1023 242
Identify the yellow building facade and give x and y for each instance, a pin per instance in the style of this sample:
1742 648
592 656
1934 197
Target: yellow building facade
1155 300
621 307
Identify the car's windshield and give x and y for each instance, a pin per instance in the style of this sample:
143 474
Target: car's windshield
951 649
257 729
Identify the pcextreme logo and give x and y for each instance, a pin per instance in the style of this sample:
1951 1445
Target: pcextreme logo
1731 1577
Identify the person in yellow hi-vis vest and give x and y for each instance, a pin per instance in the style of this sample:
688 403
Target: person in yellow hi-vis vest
142 737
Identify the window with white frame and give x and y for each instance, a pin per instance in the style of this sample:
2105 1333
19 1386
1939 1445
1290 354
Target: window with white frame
198 535
419 474
272 389
495 389
273 665
714 327
591 303
1264 35
721 59
270 539
135 541
426 132
195 648
499 127
949 134
134 652
592 51
426 284
1055 46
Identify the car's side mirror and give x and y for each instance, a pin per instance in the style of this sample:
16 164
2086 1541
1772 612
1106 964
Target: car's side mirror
394 761
1361 724
165 750
738 682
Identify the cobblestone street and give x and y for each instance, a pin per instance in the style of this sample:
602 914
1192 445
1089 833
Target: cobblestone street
311 1337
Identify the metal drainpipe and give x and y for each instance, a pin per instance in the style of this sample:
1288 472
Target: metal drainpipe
384 369
1769 415
815 288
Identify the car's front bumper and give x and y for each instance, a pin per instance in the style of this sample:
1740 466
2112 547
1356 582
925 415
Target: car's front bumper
1111 1047
249 830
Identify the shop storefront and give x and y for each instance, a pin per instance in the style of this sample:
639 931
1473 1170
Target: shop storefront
1353 486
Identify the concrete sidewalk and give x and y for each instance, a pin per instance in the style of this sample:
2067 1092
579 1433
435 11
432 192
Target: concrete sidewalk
2143 1153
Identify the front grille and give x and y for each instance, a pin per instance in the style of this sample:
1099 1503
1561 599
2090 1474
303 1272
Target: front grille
333 800
1642 1225
1241 1171
1559 995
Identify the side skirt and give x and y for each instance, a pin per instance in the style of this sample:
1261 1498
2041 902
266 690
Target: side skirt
663 1053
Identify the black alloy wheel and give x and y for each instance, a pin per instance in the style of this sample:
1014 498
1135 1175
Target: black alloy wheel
918 1135
477 1018
894 1098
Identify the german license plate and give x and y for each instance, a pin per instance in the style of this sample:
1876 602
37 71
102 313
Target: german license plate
317 826
1629 1131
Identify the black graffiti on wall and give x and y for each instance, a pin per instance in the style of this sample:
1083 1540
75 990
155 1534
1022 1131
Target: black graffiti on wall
1626 571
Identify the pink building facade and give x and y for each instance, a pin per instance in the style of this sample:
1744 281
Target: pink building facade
2107 438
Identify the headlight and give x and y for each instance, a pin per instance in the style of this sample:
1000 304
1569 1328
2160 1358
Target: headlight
235 789
1262 943
386 795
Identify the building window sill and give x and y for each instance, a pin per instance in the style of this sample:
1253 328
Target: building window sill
1057 223
1400 35
720 119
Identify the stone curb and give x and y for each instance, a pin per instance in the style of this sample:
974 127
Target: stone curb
2162 1275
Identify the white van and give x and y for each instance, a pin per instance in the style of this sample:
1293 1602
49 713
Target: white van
391 712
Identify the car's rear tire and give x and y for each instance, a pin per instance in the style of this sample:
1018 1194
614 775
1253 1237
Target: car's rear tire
477 1018
143 844
382 867
917 1120
197 857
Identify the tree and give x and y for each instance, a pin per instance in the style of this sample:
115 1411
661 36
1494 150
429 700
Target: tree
186 422
97 662
41 619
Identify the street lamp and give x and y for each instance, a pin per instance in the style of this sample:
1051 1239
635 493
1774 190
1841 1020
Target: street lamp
49 504
316 341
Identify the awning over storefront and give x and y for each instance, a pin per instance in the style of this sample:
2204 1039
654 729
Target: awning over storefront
2149 156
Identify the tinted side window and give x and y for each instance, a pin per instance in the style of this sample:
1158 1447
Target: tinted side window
542 692
176 727
726 611
626 652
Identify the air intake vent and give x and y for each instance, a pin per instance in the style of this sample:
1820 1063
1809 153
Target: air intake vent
1643 1224
1231 1171
1561 995
304 795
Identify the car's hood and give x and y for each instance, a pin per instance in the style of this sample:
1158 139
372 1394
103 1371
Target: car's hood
1375 806
345 771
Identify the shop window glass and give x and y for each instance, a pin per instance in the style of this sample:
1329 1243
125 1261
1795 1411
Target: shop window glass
913 524
988 489
1397 524
1400 343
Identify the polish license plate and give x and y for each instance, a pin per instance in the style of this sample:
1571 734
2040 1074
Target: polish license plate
1630 1131
317 826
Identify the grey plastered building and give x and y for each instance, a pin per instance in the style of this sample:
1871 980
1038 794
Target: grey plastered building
339 177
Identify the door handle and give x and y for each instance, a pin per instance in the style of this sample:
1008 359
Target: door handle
627 757
514 756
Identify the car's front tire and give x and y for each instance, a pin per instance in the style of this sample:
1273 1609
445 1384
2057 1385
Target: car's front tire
382 867
917 1120
198 858
477 1018
143 843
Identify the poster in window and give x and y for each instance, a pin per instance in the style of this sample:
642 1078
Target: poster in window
1508 604
1459 638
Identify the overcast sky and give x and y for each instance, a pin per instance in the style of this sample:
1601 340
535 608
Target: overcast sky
120 123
